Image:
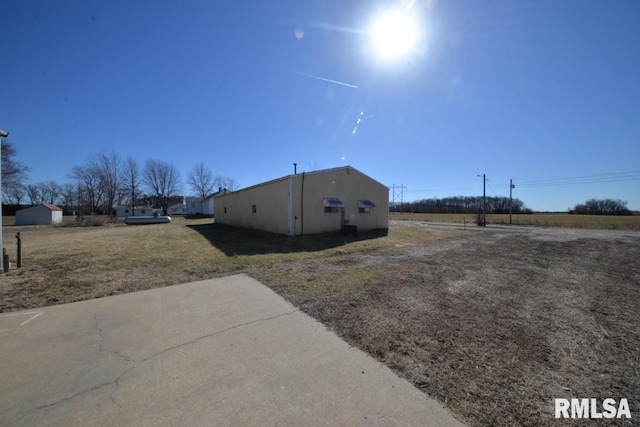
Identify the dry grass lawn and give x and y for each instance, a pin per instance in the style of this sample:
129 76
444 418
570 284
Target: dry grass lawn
494 322
538 220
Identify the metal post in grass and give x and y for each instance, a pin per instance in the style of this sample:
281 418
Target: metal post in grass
19 250
3 134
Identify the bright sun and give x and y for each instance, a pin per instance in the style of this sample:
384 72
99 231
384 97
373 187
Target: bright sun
393 35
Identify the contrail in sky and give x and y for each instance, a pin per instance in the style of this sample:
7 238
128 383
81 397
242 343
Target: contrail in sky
324 79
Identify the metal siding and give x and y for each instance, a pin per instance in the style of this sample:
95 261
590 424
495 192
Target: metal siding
273 203
35 215
349 185
270 200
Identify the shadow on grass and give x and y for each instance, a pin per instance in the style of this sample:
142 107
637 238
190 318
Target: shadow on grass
234 241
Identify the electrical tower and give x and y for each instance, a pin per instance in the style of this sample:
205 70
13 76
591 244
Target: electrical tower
397 193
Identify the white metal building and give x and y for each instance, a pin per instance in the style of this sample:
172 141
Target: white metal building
45 214
204 206
308 203
178 209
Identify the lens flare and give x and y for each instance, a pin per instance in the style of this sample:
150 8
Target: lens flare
395 34
355 128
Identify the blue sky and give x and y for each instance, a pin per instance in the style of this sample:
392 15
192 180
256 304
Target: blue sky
528 90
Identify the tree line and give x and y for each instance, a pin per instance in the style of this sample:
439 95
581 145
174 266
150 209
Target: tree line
462 204
601 207
107 180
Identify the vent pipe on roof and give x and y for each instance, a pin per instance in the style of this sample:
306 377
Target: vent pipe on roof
295 168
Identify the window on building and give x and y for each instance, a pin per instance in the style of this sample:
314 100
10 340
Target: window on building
225 209
365 206
332 204
254 209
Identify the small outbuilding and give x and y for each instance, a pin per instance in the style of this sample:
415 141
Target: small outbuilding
308 203
44 214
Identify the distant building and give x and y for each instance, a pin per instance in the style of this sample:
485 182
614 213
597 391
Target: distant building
177 209
45 214
123 211
308 203
204 206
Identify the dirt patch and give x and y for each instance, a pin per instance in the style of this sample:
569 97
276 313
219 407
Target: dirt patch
495 325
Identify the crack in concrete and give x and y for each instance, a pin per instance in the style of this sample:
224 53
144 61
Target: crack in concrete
101 348
135 363
240 325
64 399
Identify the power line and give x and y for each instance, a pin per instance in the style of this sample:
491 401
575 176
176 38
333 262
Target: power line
492 190
439 190
585 179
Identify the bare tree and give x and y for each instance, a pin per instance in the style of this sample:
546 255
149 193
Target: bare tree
13 173
34 193
91 190
602 207
313 166
200 180
52 192
227 182
15 193
109 167
131 181
68 195
163 180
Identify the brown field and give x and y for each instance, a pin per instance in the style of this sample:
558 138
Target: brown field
540 220
494 322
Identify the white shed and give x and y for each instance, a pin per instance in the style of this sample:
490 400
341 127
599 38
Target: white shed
44 214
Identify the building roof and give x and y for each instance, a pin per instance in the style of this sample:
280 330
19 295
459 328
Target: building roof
300 174
202 199
51 207
46 205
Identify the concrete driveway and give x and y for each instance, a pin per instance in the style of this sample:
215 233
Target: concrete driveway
221 352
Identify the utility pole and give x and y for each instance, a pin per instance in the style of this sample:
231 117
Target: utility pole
511 187
484 200
5 268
